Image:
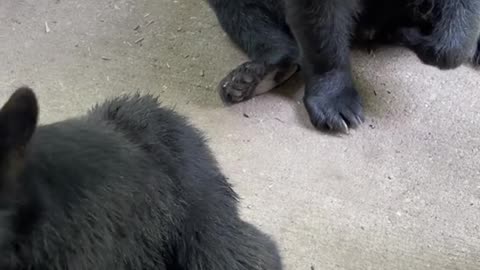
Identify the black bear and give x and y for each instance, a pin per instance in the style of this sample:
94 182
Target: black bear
281 36
130 186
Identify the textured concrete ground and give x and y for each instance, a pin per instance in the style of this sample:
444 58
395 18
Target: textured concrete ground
401 192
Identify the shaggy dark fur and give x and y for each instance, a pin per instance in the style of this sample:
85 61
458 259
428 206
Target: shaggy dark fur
281 35
128 186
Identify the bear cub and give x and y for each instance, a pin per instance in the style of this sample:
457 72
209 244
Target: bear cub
128 186
284 36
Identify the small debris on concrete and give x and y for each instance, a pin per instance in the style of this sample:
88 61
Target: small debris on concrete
106 58
246 115
202 73
47 29
136 28
139 40
279 120
149 23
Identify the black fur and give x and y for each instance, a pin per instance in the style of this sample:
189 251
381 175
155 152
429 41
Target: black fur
476 57
318 34
128 186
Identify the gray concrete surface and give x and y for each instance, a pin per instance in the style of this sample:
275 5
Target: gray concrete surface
401 192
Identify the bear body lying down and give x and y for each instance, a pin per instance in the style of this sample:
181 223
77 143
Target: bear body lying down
281 35
127 186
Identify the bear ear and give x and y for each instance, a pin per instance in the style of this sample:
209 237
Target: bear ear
18 120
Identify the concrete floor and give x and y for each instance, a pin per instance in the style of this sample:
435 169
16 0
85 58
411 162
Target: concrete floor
401 192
